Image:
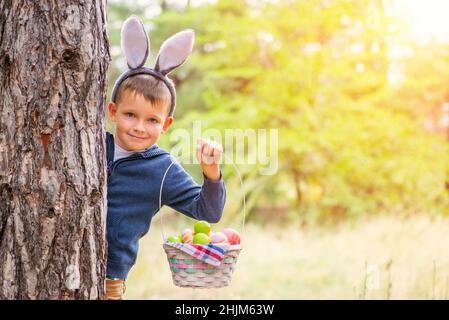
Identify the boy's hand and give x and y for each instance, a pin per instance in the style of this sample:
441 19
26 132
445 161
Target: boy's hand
209 154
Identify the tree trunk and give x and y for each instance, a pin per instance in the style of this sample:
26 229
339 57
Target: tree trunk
53 61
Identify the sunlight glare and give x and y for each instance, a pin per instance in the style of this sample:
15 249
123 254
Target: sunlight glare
427 18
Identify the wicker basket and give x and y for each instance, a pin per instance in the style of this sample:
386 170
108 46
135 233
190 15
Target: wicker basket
189 272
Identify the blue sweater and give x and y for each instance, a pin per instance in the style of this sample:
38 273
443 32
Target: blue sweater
133 199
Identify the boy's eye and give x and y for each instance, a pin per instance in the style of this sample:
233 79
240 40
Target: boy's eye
153 120
129 114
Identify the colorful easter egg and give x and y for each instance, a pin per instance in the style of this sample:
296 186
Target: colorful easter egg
187 237
232 235
218 237
201 238
202 227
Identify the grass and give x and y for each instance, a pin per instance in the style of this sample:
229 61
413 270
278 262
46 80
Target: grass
381 258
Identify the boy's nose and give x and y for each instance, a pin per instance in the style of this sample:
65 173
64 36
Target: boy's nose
139 127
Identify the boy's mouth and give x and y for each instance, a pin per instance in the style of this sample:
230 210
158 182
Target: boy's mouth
141 138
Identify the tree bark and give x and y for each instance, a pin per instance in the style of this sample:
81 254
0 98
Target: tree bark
53 61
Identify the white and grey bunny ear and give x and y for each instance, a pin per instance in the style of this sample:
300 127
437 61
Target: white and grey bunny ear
135 43
175 51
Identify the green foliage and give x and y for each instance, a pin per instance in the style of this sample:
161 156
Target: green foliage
350 142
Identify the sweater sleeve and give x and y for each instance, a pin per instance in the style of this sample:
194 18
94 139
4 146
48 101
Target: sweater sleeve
183 194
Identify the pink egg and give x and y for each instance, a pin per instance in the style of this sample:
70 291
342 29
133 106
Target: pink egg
232 235
187 231
218 237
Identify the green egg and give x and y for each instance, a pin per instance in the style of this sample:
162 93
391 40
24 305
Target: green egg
174 239
201 238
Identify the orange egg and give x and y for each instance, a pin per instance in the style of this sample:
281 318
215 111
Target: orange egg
187 237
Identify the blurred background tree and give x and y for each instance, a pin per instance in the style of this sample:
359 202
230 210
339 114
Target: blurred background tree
358 105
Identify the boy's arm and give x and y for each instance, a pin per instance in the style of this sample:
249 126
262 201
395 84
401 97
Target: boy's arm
183 194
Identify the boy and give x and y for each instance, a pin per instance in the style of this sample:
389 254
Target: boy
142 106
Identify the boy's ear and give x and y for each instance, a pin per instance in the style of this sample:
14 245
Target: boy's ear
168 122
134 42
175 51
112 107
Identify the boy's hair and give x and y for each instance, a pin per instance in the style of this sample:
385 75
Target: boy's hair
149 87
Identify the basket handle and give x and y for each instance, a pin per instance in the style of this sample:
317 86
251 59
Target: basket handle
176 160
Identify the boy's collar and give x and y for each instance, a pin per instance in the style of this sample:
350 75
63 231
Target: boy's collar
124 151
151 151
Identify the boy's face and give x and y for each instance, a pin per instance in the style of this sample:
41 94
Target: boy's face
139 123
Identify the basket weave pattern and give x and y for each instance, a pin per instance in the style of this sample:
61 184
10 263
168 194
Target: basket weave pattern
190 272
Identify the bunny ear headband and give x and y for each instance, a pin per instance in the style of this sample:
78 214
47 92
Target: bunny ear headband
136 46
